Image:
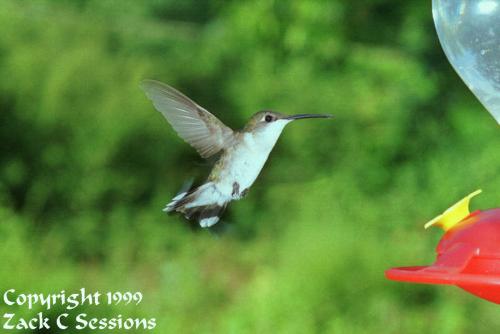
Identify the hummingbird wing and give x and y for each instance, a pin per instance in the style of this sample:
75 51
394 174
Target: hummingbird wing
202 130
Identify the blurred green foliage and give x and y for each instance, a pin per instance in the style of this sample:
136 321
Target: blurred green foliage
86 164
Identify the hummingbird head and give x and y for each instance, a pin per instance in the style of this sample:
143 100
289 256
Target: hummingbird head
273 119
268 125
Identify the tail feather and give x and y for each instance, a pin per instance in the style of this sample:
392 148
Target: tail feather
206 215
205 204
183 192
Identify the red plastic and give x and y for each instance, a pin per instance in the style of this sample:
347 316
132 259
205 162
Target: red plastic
468 256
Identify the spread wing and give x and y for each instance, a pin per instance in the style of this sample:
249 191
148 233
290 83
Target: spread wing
205 132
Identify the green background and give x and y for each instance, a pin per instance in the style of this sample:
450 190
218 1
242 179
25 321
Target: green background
87 164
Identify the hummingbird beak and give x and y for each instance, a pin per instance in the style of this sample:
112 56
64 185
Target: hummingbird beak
302 116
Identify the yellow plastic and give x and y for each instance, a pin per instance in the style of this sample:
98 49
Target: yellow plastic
453 215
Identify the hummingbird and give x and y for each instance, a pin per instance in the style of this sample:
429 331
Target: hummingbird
243 153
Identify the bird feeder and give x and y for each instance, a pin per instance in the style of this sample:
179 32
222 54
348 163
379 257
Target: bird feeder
468 254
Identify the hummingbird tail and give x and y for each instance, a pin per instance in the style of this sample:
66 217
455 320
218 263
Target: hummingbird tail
205 204
183 192
206 215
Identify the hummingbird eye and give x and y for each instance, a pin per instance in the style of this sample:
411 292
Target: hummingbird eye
268 118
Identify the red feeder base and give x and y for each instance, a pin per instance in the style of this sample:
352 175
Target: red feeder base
468 257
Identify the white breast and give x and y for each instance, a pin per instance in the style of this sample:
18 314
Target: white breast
249 157
245 164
